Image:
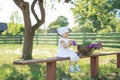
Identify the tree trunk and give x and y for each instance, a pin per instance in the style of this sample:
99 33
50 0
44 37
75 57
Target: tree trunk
28 39
28 45
28 34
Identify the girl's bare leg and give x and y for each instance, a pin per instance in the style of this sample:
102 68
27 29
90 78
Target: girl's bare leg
71 67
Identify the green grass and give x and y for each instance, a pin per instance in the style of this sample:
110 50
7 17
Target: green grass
8 71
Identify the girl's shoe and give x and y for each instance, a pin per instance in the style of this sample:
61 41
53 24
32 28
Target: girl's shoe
72 69
78 69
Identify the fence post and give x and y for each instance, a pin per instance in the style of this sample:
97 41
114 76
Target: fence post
57 40
83 37
36 39
21 39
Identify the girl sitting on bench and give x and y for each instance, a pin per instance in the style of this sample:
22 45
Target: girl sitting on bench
64 49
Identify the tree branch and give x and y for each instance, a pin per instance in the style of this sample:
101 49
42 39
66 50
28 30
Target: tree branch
42 20
67 1
24 6
21 4
33 11
18 3
42 10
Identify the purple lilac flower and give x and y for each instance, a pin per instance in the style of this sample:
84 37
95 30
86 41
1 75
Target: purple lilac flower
73 43
90 46
100 44
96 46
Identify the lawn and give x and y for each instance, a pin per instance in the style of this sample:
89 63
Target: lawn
10 52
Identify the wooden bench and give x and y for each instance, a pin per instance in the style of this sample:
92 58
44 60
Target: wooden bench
51 63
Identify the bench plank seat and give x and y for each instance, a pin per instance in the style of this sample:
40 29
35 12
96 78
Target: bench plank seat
104 53
35 61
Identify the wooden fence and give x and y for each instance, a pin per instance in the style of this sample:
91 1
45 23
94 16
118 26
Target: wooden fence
108 39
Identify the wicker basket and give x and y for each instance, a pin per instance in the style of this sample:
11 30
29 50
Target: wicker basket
84 50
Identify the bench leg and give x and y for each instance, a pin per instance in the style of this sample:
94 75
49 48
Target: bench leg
51 71
94 66
118 60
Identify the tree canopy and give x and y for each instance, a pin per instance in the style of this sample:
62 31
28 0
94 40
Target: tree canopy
59 22
96 15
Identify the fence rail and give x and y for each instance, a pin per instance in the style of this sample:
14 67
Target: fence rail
108 39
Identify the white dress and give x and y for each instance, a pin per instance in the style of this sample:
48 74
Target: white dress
66 52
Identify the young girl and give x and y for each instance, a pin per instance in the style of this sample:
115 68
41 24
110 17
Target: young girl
65 51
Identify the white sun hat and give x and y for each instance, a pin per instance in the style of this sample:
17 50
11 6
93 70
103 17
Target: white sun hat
62 30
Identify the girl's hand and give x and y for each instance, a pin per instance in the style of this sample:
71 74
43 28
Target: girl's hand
66 45
70 43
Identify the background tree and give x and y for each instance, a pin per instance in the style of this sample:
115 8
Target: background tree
59 22
15 26
95 15
40 30
87 27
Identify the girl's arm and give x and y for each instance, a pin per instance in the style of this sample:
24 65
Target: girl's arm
66 45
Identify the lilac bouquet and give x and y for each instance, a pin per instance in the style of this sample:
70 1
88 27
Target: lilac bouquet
88 46
95 45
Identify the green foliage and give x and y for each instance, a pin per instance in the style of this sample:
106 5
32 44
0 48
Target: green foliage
105 30
14 29
118 27
95 15
59 22
39 31
87 27
117 24
76 29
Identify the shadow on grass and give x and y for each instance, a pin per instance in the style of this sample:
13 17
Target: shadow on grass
9 72
19 72
62 73
37 71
